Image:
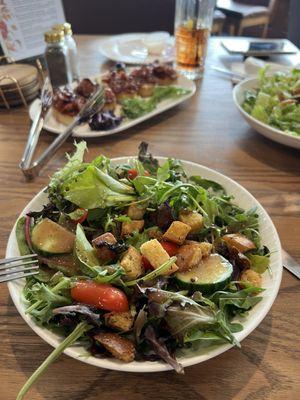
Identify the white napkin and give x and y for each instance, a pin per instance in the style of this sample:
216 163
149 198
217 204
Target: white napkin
252 65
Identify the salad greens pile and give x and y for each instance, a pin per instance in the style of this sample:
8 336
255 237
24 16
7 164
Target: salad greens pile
136 107
139 260
276 102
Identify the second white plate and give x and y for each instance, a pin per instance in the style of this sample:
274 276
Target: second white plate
84 131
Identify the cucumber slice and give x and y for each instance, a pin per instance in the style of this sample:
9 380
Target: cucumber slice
212 274
49 238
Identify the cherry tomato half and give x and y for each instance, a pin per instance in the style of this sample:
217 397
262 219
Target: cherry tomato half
171 248
102 296
132 173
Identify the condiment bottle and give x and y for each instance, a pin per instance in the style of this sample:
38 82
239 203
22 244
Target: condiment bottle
57 59
72 47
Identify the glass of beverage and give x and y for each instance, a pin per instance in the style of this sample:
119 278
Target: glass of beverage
193 20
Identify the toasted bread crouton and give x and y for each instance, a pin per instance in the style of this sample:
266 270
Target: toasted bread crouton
239 241
156 255
192 219
206 249
129 227
177 232
121 348
136 211
100 244
252 277
132 263
121 321
189 256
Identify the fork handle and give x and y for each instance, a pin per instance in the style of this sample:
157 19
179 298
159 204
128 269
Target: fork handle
33 171
34 133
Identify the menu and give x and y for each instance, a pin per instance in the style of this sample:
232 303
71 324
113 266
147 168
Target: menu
23 23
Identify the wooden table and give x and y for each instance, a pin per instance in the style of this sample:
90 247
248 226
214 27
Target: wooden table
208 130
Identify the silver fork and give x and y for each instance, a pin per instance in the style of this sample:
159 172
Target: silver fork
18 267
93 105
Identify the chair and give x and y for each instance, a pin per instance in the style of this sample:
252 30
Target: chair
240 15
218 23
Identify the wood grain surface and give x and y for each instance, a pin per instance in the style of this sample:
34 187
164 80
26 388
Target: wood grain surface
208 130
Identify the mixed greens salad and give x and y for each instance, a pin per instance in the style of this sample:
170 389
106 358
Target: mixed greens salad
139 261
276 102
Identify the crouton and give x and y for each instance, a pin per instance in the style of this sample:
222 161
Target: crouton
121 321
132 263
156 255
129 227
189 256
251 277
239 241
206 249
100 244
177 232
136 211
192 219
121 348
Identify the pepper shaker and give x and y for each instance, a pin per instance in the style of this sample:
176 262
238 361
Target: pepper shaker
57 59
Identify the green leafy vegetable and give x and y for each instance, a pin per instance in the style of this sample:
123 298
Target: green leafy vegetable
259 263
88 189
276 101
136 107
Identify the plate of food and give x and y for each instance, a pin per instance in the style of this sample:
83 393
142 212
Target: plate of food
271 105
149 264
139 48
131 96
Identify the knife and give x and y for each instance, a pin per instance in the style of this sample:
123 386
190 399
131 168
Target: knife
290 264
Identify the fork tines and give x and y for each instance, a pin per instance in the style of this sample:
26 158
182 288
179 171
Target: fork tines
18 267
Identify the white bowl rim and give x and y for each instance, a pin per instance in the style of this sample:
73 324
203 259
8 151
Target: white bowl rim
156 366
240 86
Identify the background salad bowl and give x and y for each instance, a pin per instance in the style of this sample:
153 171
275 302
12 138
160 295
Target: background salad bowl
271 281
266 130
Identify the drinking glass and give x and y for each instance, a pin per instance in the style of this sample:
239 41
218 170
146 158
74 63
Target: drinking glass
193 20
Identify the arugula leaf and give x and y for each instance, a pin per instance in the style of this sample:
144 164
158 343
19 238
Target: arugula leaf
259 263
207 184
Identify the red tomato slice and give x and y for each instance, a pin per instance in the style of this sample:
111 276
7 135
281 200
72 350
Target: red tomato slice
132 173
102 296
146 263
171 248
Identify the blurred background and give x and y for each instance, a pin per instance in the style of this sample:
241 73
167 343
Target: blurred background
259 18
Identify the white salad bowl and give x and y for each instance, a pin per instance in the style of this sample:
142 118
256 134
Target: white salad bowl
271 281
266 130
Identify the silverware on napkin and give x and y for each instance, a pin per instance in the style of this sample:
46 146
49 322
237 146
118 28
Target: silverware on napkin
31 170
290 264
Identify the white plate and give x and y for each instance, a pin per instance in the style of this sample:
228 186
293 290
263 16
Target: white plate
266 130
84 131
270 281
131 49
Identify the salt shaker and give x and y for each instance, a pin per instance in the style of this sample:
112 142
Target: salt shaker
57 59
72 47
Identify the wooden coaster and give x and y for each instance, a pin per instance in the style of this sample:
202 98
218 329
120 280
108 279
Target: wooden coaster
23 73
27 90
18 101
